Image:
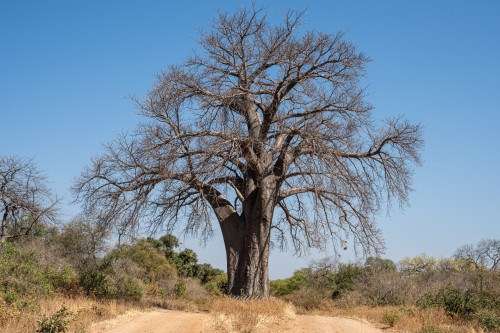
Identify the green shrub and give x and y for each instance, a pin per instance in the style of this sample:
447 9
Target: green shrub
217 285
458 303
391 317
129 288
489 320
94 283
344 278
429 300
141 259
299 279
10 297
61 277
180 289
455 302
56 323
20 273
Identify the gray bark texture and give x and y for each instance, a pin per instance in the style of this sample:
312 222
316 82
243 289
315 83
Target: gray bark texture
265 130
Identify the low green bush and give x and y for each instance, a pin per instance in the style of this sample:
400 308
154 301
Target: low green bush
344 279
180 289
129 288
21 275
299 279
391 317
61 277
489 320
56 323
94 283
455 302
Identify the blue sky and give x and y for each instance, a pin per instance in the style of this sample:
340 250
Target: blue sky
67 69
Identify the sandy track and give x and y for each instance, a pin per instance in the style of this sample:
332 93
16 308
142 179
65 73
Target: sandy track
166 321
317 324
158 321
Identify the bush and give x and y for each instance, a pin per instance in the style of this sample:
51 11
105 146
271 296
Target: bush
384 287
129 288
94 283
180 289
217 285
61 278
455 302
20 273
299 279
344 278
488 319
429 300
57 323
142 260
10 297
391 317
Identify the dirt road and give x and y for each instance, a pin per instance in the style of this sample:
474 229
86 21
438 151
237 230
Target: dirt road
165 321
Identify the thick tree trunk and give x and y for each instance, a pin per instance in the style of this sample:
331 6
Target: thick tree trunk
247 267
3 227
247 239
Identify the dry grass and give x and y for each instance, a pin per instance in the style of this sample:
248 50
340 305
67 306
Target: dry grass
233 316
228 315
410 319
83 311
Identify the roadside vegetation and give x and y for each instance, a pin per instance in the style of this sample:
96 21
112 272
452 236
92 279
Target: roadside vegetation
59 280
64 279
419 294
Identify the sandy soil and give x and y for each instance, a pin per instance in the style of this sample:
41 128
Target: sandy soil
158 321
317 324
166 321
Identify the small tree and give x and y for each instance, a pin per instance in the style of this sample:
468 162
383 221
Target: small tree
81 241
25 199
267 132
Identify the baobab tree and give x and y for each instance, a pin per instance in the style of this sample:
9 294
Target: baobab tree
266 130
25 199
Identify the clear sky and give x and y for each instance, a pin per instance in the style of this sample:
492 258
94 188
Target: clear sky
67 69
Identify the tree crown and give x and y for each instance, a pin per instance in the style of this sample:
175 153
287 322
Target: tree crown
258 108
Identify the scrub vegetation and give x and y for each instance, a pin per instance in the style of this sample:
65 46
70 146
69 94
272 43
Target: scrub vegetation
419 294
50 286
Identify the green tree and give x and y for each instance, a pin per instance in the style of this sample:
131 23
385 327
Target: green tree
298 280
345 277
151 264
82 242
418 264
380 264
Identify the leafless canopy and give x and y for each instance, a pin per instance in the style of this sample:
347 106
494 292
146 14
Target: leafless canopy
25 199
266 116
485 255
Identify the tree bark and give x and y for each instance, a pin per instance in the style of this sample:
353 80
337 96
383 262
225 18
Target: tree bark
3 227
247 238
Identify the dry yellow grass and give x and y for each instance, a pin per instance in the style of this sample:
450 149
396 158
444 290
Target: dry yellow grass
83 311
410 319
234 316
227 315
